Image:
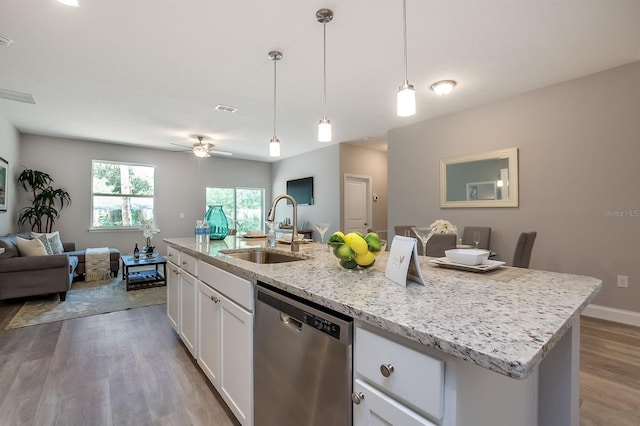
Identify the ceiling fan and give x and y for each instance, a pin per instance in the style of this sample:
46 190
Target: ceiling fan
201 149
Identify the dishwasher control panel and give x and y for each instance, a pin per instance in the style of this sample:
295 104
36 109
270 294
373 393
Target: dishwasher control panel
322 324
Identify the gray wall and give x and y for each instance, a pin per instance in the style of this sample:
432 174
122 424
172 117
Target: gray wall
367 162
181 179
9 150
323 164
579 148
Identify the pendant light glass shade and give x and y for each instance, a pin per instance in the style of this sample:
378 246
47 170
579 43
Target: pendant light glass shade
274 143
72 3
406 98
274 148
324 127
324 130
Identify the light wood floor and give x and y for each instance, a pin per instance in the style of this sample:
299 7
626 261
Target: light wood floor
609 373
122 368
130 368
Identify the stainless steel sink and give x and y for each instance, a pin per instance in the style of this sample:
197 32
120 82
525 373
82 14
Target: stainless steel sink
263 256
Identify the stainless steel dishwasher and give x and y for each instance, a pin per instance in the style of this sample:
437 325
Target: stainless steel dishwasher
302 362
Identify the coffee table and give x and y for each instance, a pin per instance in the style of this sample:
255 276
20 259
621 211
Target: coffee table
146 278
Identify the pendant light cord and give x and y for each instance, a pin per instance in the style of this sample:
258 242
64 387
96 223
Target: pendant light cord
404 28
274 98
324 30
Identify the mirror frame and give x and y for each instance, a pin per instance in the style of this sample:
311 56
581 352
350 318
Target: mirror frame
510 153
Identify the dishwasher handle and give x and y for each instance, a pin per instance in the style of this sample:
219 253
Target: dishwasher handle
290 322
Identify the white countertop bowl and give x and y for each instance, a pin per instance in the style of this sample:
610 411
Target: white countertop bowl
469 257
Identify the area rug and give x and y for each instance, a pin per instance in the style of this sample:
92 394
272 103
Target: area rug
84 299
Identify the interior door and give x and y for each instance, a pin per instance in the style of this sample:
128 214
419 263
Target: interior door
357 203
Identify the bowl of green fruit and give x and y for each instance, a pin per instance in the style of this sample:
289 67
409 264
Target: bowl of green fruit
355 251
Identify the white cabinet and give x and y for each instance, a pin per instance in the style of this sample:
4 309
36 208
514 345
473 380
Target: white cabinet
188 312
375 408
225 337
395 383
173 296
181 297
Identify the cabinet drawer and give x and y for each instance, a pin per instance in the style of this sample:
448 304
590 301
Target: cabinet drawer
189 264
173 256
233 287
413 377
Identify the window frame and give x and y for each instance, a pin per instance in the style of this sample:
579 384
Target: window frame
93 228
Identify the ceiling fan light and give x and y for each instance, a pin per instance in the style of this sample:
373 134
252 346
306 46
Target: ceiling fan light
274 147
406 100
324 130
443 87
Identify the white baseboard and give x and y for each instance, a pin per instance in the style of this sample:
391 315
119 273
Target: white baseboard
613 314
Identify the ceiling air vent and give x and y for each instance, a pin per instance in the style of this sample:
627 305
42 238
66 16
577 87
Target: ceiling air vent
17 96
225 108
4 40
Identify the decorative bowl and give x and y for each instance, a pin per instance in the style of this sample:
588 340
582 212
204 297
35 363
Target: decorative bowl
470 257
349 264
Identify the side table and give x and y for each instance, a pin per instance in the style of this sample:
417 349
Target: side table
147 277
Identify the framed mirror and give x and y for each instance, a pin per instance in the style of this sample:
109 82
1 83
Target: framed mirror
489 179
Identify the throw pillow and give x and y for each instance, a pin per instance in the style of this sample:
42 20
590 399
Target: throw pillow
43 239
53 238
30 247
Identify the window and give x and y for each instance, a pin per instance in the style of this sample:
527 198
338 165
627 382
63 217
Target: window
122 194
244 207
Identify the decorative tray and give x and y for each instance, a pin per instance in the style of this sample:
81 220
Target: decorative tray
255 236
487 265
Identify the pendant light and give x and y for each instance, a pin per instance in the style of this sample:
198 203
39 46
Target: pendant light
406 98
274 143
324 16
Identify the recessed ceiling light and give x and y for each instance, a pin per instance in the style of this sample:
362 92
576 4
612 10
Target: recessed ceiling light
225 108
443 87
5 41
72 3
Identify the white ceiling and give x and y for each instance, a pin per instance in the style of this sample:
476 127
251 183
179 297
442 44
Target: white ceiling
150 72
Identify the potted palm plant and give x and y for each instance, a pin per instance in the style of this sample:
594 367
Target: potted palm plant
42 213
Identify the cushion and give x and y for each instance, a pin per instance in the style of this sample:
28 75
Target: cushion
53 238
30 247
43 239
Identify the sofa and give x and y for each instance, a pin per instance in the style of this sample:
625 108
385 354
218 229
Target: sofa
36 275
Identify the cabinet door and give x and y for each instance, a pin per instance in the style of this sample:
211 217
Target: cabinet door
173 296
236 372
377 409
188 311
209 307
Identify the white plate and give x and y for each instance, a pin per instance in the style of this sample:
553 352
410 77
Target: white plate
255 236
306 240
488 265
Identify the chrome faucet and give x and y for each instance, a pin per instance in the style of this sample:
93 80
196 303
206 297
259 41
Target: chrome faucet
272 214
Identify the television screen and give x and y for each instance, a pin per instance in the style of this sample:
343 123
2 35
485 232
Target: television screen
301 190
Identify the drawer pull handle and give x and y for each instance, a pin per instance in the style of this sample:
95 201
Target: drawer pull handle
357 397
215 299
386 370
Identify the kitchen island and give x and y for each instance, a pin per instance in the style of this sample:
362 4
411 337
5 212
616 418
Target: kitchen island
522 332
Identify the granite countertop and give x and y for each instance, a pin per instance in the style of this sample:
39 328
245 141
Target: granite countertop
507 326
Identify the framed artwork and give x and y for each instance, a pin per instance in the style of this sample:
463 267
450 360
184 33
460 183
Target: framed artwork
4 182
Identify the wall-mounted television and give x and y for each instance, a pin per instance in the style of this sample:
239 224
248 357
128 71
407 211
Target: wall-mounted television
301 190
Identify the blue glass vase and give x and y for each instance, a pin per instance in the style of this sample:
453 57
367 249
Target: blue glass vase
218 225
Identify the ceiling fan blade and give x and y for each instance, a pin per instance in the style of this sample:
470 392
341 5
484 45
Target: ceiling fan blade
189 148
225 153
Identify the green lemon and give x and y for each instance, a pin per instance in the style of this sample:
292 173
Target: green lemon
348 264
373 241
344 252
335 238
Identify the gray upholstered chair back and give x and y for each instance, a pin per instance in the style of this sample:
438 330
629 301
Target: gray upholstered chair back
401 229
524 246
438 243
485 236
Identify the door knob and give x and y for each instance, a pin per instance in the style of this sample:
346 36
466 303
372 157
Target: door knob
386 370
357 397
215 299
